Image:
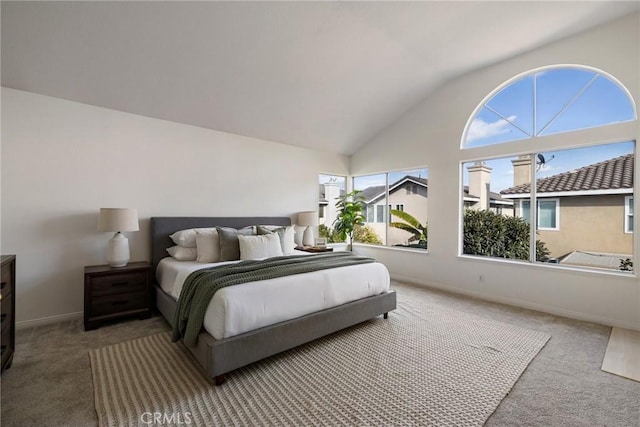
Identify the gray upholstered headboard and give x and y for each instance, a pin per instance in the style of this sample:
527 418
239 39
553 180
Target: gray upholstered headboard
163 226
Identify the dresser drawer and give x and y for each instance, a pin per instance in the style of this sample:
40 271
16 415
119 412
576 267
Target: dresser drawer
118 303
6 280
119 283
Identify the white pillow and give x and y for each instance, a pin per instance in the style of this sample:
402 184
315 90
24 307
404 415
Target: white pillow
286 234
182 254
187 238
263 246
207 245
299 235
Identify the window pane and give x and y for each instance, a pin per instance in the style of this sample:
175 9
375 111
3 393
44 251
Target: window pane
408 193
602 103
516 102
492 219
546 214
488 128
525 213
331 187
373 189
591 186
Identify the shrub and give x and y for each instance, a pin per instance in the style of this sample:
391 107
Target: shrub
365 234
329 233
490 234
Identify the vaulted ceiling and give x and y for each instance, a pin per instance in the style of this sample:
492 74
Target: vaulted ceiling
326 75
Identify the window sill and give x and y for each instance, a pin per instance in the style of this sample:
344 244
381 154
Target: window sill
538 265
392 248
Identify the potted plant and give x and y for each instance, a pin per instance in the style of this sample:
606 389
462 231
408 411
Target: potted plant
350 214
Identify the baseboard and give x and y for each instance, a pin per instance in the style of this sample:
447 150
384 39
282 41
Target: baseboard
523 304
48 320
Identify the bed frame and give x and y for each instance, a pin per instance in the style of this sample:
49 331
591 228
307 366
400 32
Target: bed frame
219 357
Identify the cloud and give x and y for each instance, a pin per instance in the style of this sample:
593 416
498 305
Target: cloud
480 129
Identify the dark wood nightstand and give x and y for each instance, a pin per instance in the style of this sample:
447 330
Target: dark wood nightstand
315 249
8 303
116 292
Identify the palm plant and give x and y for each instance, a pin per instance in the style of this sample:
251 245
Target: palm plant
350 214
412 225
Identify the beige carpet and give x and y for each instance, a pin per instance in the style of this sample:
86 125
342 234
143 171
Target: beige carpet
430 366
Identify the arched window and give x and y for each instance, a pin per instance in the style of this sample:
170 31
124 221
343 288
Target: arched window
568 201
549 101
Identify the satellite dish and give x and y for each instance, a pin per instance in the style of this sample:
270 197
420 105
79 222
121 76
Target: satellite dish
542 161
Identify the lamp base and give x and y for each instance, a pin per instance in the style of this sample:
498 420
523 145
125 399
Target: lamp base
308 239
118 253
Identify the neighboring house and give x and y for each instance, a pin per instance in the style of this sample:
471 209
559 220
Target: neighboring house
585 216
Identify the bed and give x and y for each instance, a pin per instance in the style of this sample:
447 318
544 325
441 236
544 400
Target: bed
218 357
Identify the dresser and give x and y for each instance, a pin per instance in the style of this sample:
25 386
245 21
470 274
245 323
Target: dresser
8 303
116 292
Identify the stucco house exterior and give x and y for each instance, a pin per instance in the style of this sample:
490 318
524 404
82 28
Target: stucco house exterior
585 216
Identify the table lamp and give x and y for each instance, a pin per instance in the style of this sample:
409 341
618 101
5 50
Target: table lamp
118 220
308 219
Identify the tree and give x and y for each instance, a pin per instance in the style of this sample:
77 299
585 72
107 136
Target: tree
412 225
490 234
350 207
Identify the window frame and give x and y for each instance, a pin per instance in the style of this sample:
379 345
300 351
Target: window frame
628 215
543 199
614 132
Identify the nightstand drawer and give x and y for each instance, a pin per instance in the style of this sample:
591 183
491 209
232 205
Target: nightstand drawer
118 303
5 344
119 283
5 315
6 280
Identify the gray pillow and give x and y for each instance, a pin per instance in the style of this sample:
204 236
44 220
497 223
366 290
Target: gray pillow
229 245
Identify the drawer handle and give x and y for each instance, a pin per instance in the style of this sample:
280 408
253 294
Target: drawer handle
119 303
119 283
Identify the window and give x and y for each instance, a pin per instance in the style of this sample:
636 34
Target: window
330 188
548 213
395 216
548 101
583 196
628 214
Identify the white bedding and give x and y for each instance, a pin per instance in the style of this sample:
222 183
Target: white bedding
241 308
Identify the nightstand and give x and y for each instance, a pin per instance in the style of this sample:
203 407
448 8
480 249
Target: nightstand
8 304
116 292
314 249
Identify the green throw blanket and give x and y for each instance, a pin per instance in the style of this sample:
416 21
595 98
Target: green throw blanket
201 285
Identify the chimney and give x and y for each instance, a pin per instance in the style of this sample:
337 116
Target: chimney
521 170
331 192
479 183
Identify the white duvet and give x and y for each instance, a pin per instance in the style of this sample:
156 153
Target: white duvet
241 308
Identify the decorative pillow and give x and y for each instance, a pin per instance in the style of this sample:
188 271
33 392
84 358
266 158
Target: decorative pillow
299 235
229 246
207 245
182 254
187 238
254 247
286 235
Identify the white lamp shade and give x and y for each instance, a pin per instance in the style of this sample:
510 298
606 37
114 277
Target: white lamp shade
308 218
118 219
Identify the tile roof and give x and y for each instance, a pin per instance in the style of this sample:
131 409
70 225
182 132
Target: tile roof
376 191
610 174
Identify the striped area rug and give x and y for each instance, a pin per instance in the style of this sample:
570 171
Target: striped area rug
425 365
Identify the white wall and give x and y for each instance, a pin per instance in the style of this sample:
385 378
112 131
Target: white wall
431 132
62 161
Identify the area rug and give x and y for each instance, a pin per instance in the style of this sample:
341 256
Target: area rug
425 365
